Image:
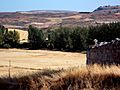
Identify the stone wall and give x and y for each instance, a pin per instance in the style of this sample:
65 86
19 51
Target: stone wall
104 54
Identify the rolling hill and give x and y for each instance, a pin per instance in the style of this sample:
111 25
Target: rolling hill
53 18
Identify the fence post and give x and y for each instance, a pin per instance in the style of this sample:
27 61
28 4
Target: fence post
9 70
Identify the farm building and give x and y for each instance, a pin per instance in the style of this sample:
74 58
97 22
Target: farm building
104 53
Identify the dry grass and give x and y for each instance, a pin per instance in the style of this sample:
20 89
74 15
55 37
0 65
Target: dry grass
74 17
55 19
79 78
89 78
32 60
61 18
28 71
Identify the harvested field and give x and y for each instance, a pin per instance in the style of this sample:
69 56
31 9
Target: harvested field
32 60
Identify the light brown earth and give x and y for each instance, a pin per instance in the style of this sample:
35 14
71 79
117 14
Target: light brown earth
23 61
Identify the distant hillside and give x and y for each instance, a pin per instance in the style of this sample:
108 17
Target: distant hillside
47 11
114 9
53 18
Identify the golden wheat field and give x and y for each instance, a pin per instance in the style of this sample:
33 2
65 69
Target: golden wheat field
32 60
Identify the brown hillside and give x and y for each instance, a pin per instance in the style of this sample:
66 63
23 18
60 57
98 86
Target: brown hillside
51 18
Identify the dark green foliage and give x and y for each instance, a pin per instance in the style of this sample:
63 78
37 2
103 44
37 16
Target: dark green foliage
77 39
63 39
2 32
68 39
50 40
11 38
8 38
7 46
105 32
72 39
35 37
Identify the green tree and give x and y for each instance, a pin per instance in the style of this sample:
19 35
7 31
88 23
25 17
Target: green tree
62 38
35 37
2 32
104 32
11 38
76 39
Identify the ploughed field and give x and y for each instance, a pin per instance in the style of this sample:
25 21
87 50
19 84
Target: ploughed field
27 61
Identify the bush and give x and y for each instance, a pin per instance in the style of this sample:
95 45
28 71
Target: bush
8 38
6 46
11 38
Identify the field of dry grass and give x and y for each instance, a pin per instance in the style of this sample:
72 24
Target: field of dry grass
54 70
33 60
86 78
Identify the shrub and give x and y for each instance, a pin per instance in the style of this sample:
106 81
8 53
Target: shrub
8 38
6 46
11 38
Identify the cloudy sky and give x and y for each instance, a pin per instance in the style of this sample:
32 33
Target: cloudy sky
74 5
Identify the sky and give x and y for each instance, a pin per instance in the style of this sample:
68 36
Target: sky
73 5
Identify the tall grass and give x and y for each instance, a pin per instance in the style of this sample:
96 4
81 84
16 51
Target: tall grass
86 78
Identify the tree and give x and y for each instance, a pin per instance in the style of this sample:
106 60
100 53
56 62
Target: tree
1 38
76 39
35 37
2 32
62 38
11 38
104 32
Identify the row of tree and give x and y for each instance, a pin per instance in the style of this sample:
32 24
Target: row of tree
104 32
72 39
8 38
62 38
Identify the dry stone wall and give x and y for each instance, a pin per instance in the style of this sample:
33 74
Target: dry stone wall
105 54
